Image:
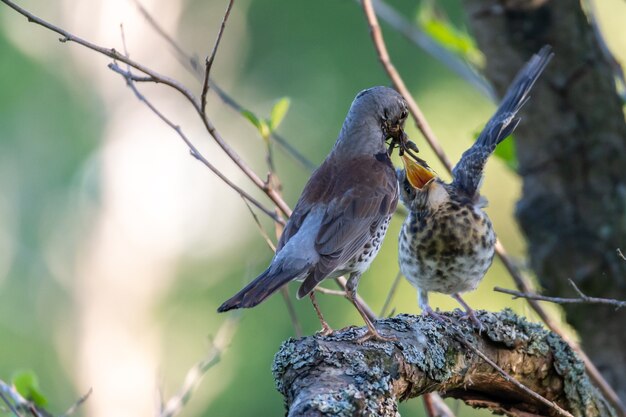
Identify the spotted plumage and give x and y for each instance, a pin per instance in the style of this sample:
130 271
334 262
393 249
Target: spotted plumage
447 241
340 220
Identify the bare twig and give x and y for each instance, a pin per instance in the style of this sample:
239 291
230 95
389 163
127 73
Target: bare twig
414 34
176 85
583 299
222 339
324 290
620 254
394 76
192 65
509 378
522 283
209 60
77 404
390 294
8 403
130 78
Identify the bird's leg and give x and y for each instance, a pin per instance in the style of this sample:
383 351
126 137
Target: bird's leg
326 330
469 312
372 333
422 300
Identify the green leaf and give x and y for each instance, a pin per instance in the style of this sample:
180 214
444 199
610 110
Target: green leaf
26 384
252 118
264 129
506 152
447 35
278 112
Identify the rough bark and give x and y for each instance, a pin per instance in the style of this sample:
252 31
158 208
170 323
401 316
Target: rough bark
335 376
571 147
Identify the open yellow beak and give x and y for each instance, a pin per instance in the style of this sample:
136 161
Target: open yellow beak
417 174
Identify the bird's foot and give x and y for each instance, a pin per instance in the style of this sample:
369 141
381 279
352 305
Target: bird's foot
429 312
372 334
471 316
326 330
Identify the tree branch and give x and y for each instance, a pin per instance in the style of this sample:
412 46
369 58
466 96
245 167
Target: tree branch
209 60
176 85
335 376
583 299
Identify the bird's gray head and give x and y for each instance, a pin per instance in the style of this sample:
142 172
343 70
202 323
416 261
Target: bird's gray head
375 115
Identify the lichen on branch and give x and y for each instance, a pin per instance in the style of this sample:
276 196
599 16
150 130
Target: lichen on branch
334 375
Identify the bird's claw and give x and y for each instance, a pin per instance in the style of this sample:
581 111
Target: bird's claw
375 336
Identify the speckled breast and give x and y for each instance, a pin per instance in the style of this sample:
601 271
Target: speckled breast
448 250
363 259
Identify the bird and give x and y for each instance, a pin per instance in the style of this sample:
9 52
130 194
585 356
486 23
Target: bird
447 241
341 218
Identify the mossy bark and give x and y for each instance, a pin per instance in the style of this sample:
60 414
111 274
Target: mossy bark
335 376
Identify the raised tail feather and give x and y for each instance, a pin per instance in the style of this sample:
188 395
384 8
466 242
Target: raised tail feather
505 120
468 172
259 289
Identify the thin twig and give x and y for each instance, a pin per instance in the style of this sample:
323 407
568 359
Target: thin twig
191 64
620 254
209 60
394 76
9 404
222 339
326 291
130 78
297 327
417 36
77 404
390 294
521 282
512 380
176 85
583 299
262 231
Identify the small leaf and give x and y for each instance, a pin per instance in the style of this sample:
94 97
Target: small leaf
447 35
278 112
252 118
26 384
264 129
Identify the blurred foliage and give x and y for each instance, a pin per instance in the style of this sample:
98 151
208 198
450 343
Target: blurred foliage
436 24
26 383
319 55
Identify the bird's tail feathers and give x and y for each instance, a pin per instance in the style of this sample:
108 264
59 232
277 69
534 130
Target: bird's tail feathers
260 288
505 120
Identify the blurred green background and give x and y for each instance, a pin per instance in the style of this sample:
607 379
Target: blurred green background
116 247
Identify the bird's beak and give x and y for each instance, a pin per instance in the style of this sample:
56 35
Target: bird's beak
418 173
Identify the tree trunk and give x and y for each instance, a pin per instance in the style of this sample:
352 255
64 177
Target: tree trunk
571 147
335 376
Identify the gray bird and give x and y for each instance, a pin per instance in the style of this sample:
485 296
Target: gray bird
340 220
447 241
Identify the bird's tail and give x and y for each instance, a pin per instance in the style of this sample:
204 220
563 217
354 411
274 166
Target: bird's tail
260 288
505 120
468 172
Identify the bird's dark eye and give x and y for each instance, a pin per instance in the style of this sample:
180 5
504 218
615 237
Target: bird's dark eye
404 114
407 187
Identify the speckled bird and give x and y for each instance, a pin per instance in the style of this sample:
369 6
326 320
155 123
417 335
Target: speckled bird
341 218
447 241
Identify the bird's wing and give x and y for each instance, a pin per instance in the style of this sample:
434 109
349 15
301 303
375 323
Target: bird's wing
468 172
364 194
